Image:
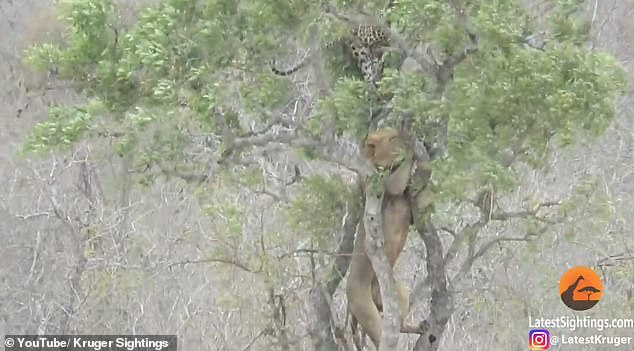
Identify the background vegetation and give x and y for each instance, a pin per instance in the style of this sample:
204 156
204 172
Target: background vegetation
159 178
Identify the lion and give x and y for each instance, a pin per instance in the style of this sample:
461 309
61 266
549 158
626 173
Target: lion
385 149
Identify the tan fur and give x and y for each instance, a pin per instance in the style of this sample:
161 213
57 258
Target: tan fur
383 148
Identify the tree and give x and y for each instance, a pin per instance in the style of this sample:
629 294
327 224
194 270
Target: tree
589 290
183 91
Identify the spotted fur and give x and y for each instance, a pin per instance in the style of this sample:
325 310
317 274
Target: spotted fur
366 44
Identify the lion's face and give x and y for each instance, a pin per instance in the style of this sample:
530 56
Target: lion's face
382 147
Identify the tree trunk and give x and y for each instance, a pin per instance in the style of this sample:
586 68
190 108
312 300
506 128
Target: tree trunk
320 331
374 241
320 295
441 298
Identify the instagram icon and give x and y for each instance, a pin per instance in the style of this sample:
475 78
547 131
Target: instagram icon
538 339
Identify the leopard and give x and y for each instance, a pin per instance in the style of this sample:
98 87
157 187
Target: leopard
366 43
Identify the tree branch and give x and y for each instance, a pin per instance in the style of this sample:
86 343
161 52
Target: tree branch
322 327
442 305
373 223
468 263
230 261
503 216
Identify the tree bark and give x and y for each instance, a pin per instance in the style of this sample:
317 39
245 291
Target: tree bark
373 222
320 295
441 298
320 328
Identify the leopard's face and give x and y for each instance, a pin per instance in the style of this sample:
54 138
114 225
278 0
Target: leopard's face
368 60
366 44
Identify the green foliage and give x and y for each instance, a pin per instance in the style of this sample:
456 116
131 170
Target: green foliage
44 56
229 300
180 49
505 98
566 94
587 197
374 184
90 30
427 16
349 107
110 290
65 126
318 208
230 215
186 46
268 92
567 25
248 178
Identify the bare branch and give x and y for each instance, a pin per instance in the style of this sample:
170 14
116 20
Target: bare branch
468 231
33 215
229 261
503 216
468 263
277 196
273 121
450 231
259 335
613 260
241 143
